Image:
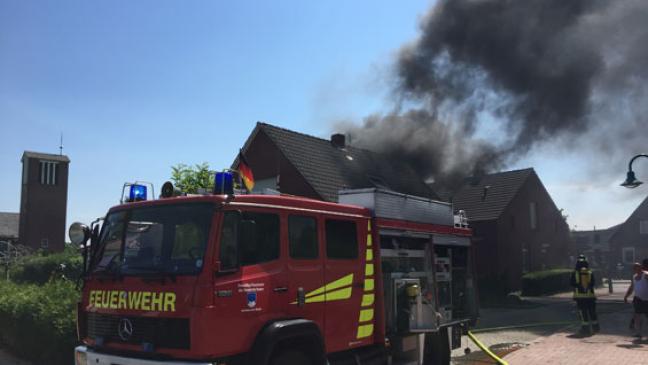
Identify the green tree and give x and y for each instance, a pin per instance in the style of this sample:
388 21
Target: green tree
191 178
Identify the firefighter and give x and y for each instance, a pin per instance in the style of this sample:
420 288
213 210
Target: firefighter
582 279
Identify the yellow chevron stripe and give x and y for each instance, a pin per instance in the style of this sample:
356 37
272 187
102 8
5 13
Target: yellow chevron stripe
344 281
369 240
364 331
367 300
369 255
369 269
369 226
366 315
340 294
369 285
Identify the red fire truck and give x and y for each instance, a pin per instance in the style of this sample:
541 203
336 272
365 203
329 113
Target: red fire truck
381 278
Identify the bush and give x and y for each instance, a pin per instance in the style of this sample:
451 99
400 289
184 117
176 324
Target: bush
552 281
546 282
38 322
40 267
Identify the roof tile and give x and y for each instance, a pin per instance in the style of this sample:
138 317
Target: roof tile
486 197
329 169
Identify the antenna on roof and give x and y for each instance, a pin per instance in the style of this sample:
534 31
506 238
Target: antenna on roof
61 145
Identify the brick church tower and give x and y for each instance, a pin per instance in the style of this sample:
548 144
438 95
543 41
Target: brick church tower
43 201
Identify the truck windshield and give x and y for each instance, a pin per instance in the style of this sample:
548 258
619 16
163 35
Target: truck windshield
159 239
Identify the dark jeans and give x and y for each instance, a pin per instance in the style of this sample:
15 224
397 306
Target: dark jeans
640 306
587 310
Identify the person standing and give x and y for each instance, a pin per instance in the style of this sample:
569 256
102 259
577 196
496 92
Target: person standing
639 285
582 280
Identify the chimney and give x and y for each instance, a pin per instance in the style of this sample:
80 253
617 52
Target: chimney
485 192
338 140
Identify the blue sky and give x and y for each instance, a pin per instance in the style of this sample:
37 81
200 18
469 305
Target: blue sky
136 87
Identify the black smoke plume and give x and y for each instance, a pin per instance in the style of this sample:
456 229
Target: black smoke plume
570 72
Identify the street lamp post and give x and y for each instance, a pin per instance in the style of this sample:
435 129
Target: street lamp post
631 181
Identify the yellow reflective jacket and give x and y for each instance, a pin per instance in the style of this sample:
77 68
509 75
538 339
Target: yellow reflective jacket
583 282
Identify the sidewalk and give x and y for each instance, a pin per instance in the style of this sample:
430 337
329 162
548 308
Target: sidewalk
613 345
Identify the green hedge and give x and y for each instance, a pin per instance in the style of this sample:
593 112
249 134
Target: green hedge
546 282
38 321
551 281
40 267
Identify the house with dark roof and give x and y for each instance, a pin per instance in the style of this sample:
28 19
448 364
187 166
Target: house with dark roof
629 243
595 245
517 227
9 226
294 163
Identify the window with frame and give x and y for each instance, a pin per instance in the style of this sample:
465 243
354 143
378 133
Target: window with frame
264 245
112 234
643 227
302 237
44 243
628 255
341 239
48 172
533 215
229 237
168 238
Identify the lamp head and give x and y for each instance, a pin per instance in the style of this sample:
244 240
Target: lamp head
631 181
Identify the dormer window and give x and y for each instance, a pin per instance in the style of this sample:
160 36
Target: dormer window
48 172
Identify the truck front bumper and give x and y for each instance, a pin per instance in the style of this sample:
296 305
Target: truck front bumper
85 356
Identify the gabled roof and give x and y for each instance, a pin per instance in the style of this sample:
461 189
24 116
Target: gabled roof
485 198
328 168
634 213
588 237
9 225
45 156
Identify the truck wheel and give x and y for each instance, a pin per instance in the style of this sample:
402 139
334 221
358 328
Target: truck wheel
437 348
291 357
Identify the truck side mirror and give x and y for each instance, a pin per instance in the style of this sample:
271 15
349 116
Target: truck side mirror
79 233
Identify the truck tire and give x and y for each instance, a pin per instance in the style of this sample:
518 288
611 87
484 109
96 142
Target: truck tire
291 357
437 348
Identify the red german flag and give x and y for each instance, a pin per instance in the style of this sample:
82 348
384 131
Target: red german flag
245 172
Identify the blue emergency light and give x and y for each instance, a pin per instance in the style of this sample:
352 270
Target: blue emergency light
137 193
224 183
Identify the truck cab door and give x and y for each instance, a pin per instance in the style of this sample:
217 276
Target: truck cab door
349 283
304 268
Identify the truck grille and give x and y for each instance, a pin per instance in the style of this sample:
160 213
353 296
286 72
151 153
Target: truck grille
161 332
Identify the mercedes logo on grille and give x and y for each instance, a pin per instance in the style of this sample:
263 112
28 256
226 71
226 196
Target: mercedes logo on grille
125 329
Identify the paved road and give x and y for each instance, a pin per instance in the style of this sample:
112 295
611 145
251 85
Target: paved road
536 344
543 310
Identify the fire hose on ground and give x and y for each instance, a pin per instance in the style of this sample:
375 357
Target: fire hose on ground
492 355
485 349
